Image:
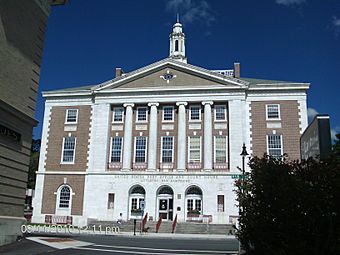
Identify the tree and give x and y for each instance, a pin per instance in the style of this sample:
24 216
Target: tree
290 207
34 163
336 147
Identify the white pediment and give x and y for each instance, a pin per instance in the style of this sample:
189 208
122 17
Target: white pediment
170 74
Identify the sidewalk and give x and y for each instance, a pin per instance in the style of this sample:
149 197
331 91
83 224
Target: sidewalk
178 236
69 231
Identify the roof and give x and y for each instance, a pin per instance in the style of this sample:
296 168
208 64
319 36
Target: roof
251 83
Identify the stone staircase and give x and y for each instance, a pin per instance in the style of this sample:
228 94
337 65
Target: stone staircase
166 227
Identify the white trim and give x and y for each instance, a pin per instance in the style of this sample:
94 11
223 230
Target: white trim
281 142
225 113
146 149
200 161
74 151
200 113
67 122
146 115
173 114
278 109
113 114
121 149
62 210
172 151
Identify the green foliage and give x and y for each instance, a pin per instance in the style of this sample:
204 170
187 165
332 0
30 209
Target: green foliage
290 207
34 163
336 147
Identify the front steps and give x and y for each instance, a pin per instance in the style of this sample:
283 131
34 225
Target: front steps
166 227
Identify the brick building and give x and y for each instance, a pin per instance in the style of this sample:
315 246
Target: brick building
167 136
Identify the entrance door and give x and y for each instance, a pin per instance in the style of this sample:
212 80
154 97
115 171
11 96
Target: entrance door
165 209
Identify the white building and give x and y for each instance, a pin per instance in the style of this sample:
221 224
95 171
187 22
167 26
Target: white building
169 134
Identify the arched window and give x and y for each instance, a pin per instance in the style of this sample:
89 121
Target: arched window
176 45
166 190
193 197
64 197
138 190
136 201
194 190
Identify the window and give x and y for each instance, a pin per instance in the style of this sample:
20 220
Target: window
111 201
71 115
116 149
220 112
134 203
195 113
167 149
140 149
190 205
64 197
220 203
194 149
176 45
273 111
220 149
168 113
69 146
274 146
118 114
142 114
198 205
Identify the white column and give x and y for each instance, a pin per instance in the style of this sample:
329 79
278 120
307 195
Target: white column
207 147
181 136
236 131
152 150
127 149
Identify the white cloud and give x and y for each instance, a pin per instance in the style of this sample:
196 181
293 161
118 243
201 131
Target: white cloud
311 112
336 25
290 2
192 11
335 131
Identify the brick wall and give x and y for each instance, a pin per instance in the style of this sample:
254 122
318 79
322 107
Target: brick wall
289 130
57 132
51 185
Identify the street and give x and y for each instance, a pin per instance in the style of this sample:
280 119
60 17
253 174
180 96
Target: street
125 244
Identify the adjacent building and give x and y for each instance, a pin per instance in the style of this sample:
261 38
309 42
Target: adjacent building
164 139
22 32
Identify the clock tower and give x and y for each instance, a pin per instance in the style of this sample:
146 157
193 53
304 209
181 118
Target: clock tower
177 42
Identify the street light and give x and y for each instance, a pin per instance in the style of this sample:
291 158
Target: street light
244 153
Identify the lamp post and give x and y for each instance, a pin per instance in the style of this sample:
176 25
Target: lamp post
244 153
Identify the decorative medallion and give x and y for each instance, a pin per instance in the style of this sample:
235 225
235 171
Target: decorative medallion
168 76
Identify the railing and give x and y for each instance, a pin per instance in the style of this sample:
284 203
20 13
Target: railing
139 166
192 217
57 219
194 166
114 166
228 73
166 166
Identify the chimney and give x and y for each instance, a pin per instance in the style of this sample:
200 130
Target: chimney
119 72
237 70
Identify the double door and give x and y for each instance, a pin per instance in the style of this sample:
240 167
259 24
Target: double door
165 208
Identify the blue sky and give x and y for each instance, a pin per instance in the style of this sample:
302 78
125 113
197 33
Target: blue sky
292 40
